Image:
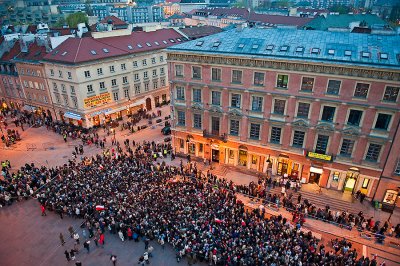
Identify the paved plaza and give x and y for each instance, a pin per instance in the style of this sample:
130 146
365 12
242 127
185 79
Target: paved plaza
30 239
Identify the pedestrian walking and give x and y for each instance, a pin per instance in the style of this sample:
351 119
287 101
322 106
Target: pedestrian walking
101 240
146 243
78 263
141 261
150 251
146 257
121 235
71 231
62 239
113 259
43 208
67 255
86 245
76 238
72 254
96 241
84 234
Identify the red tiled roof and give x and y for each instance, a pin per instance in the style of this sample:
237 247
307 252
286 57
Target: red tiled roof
63 31
31 29
77 50
235 11
198 32
115 21
35 53
14 51
279 20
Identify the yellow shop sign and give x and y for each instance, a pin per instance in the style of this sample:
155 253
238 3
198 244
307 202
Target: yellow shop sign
97 100
319 156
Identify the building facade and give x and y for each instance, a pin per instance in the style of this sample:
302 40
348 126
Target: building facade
323 110
94 80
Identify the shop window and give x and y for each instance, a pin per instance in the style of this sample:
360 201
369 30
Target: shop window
231 154
336 176
201 147
390 196
254 159
328 113
365 183
242 157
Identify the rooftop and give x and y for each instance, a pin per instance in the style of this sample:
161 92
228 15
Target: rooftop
114 20
35 53
381 51
78 50
201 31
342 21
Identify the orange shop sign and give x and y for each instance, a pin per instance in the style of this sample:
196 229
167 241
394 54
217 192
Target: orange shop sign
97 100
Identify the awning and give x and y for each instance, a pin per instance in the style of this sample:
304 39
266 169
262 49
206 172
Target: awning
29 108
72 116
137 103
316 170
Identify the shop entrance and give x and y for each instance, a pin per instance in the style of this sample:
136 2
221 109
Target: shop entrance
215 155
148 104
242 158
314 178
351 179
282 168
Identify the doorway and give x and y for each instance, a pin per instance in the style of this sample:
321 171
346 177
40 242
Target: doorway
282 168
314 178
215 155
148 104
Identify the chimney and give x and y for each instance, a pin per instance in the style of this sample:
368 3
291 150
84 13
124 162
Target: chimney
23 45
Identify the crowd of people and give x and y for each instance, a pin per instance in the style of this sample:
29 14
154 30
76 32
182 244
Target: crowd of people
132 196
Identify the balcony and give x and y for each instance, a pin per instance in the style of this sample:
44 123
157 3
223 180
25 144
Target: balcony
215 135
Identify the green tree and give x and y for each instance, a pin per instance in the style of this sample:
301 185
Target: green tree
74 19
395 14
60 22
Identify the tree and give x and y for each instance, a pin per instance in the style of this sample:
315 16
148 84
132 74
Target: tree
60 22
74 19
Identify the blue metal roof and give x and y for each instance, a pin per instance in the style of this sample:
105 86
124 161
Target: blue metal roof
344 48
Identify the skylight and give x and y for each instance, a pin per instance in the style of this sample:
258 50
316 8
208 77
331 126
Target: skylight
172 40
165 42
347 53
148 44
93 52
284 48
105 50
199 43
130 47
178 39
299 49
255 46
365 54
64 53
331 51
216 44
269 47
315 50
241 45
383 55
157 43
139 45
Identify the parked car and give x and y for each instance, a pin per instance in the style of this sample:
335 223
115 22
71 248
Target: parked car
166 130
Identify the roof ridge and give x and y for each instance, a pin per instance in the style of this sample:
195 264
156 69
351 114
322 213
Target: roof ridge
77 50
98 40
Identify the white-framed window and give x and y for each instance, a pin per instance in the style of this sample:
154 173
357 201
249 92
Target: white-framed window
275 135
328 113
135 64
373 152
126 93
307 84
237 76
87 74
125 80
155 84
99 71
144 62
234 127
298 138
197 121
181 118
236 100
254 132
391 94
60 74
216 74
154 72
136 76
282 81
279 106
153 60
123 66
333 87
137 88
145 75
258 78
383 121
112 69
321 145
161 58
196 72
114 82
179 71
354 117
180 93
72 89
162 71
196 95
361 90
69 74
146 86
346 149
257 103
51 72
90 88
215 97
116 95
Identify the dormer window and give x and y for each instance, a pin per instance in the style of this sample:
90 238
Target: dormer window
347 53
284 48
199 43
216 44
172 40
93 52
315 50
365 54
139 45
299 49
178 39
241 45
255 46
165 42
105 50
331 52
148 44
64 53
130 47
383 56
270 47
157 43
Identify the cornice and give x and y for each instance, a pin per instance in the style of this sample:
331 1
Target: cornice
311 67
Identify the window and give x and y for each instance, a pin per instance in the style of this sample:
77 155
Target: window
322 144
144 62
69 74
123 67
196 72
391 94
197 121
137 89
383 121
145 75
275 135
347 53
361 90
146 86
66 102
126 93
155 84
315 50
162 71
113 82
74 101
254 131
279 106
181 118
51 72
256 103
99 71
153 60
136 76
282 81
298 139
115 95
333 87
336 176
161 58
197 95
236 76
354 117
60 75
259 78
154 72
72 89
307 84
162 82
124 80
347 147
373 152
89 88
303 109
55 88
397 170
180 93
135 64
179 70
215 97
234 127
63 89
328 113
215 74
215 123
236 100
112 70
87 74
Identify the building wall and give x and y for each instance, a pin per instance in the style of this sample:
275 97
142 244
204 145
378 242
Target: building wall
122 95
12 93
256 151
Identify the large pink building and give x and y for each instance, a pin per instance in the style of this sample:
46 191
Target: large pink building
320 106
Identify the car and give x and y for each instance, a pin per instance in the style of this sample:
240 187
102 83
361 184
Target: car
166 130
